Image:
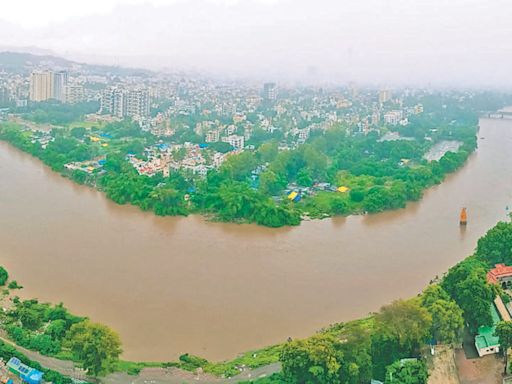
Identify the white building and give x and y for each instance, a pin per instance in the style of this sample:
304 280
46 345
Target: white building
123 103
270 91
138 103
212 136
73 94
235 141
393 117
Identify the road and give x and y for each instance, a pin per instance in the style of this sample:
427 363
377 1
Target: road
147 375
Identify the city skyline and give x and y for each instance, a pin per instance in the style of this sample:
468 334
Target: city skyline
461 43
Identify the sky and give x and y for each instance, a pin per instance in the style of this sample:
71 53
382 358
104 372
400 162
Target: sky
381 42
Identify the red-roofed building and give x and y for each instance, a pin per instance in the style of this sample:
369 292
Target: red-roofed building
500 274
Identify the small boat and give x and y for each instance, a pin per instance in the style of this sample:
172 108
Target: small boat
463 217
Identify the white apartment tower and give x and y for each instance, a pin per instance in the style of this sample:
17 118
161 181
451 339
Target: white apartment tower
73 94
270 91
123 103
137 103
60 81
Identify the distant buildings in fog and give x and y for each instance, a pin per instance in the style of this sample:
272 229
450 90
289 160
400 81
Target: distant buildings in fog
270 91
384 96
47 85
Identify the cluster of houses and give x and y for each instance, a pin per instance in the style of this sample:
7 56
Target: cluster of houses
88 166
163 158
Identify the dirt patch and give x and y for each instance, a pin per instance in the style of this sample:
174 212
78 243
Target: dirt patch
483 370
442 367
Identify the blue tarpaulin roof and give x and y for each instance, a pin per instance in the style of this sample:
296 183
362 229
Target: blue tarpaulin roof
29 375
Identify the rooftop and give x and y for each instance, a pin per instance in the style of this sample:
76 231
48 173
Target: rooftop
498 272
485 337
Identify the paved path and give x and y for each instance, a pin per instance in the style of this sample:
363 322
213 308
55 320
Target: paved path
178 376
64 367
147 375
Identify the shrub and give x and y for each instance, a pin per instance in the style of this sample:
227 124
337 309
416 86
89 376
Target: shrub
3 276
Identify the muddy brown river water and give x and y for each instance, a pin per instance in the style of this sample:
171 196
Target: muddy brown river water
175 285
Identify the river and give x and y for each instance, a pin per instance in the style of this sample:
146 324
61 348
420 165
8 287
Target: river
176 285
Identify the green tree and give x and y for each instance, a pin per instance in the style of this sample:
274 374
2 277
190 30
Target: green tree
405 321
95 345
467 285
304 178
29 318
3 276
315 360
504 333
407 372
268 151
56 329
447 320
357 195
432 294
167 201
271 183
474 295
496 246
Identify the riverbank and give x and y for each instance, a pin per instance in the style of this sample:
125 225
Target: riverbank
353 174
44 343
295 279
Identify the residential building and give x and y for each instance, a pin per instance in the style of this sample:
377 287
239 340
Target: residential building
235 141
393 117
138 103
212 136
486 342
60 81
123 103
500 274
270 91
41 86
5 96
384 95
73 94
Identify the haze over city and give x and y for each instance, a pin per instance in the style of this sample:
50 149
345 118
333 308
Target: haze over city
438 43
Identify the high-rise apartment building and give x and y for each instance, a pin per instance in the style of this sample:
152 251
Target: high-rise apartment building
45 85
73 94
41 86
118 103
270 91
384 95
137 103
123 103
60 81
5 96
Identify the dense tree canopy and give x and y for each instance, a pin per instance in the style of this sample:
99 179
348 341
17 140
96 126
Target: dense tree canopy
314 360
95 345
467 285
496 246
447 320
504 333
407 372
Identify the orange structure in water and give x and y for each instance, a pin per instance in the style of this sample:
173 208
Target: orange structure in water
463 217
